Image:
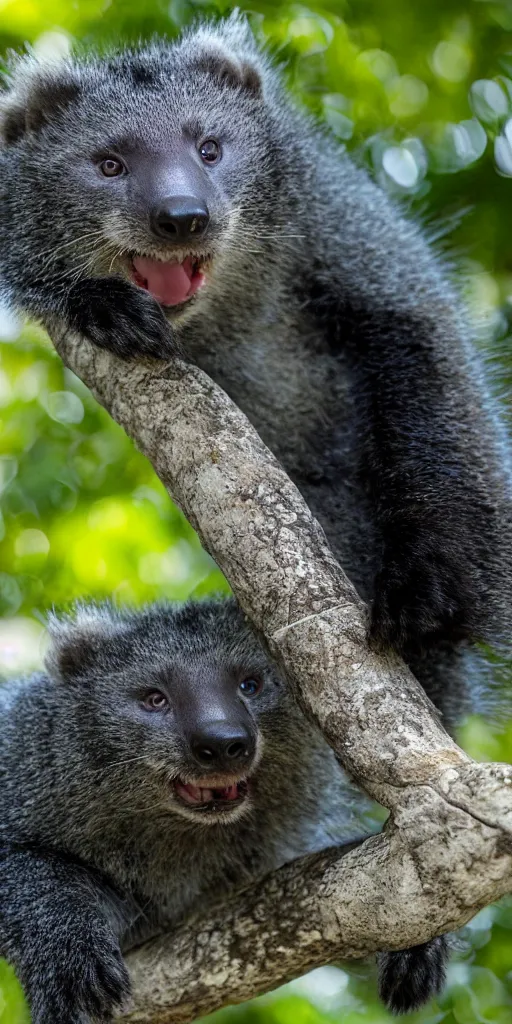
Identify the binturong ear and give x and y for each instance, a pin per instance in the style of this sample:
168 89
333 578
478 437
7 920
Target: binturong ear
36 91
90 639
235 72
228 51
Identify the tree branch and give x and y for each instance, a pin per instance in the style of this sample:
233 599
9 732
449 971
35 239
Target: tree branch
448 849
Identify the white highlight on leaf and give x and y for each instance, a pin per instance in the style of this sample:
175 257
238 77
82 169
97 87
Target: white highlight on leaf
399 163
488 100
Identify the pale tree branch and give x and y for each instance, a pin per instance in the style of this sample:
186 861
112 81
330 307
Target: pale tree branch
447 850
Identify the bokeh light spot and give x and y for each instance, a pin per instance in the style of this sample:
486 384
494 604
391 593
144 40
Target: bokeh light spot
489 101
65 407
401 166
31 542
451 61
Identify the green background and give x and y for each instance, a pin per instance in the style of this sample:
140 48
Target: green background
423 92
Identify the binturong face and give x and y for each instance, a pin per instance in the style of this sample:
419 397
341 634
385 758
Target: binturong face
159 164
180 702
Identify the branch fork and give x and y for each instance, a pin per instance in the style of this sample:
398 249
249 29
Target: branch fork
446 851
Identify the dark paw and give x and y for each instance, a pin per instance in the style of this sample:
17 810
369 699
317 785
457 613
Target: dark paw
424 595
409 978
86 981
118 316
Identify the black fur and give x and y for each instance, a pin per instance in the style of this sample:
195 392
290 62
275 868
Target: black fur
58 926
409 978
112 314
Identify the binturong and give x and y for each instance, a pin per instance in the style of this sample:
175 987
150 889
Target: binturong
156 765
174 197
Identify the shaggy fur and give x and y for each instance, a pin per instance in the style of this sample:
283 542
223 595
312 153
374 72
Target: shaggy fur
325 315
96 854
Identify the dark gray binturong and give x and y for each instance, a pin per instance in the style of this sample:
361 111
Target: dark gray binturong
159 763
173 198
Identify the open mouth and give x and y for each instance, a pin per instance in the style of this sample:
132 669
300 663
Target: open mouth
171 284
211 800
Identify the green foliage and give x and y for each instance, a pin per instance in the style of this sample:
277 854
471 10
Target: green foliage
82 511
423 94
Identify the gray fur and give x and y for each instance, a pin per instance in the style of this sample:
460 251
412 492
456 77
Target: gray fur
326 315
95 852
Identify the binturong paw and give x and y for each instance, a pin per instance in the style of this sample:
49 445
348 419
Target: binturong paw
426 593
408 978
120 317
83 983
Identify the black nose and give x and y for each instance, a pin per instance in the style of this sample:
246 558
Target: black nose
222 745
180 218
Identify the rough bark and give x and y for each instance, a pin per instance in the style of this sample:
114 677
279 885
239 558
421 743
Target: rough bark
447 851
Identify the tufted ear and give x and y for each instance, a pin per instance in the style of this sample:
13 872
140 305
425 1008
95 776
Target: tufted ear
228 51
35 92
85 640
235 72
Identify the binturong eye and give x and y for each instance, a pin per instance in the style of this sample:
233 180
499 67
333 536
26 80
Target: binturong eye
155 700
250 687
209 151
111 167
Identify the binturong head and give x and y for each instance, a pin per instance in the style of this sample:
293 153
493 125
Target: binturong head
161 164
178 710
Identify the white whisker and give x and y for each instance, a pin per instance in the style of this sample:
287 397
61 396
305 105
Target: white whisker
65 245
128 760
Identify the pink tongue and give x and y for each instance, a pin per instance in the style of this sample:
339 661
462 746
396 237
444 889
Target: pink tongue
169 283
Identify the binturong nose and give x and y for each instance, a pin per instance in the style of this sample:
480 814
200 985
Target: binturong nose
180 218
223 746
